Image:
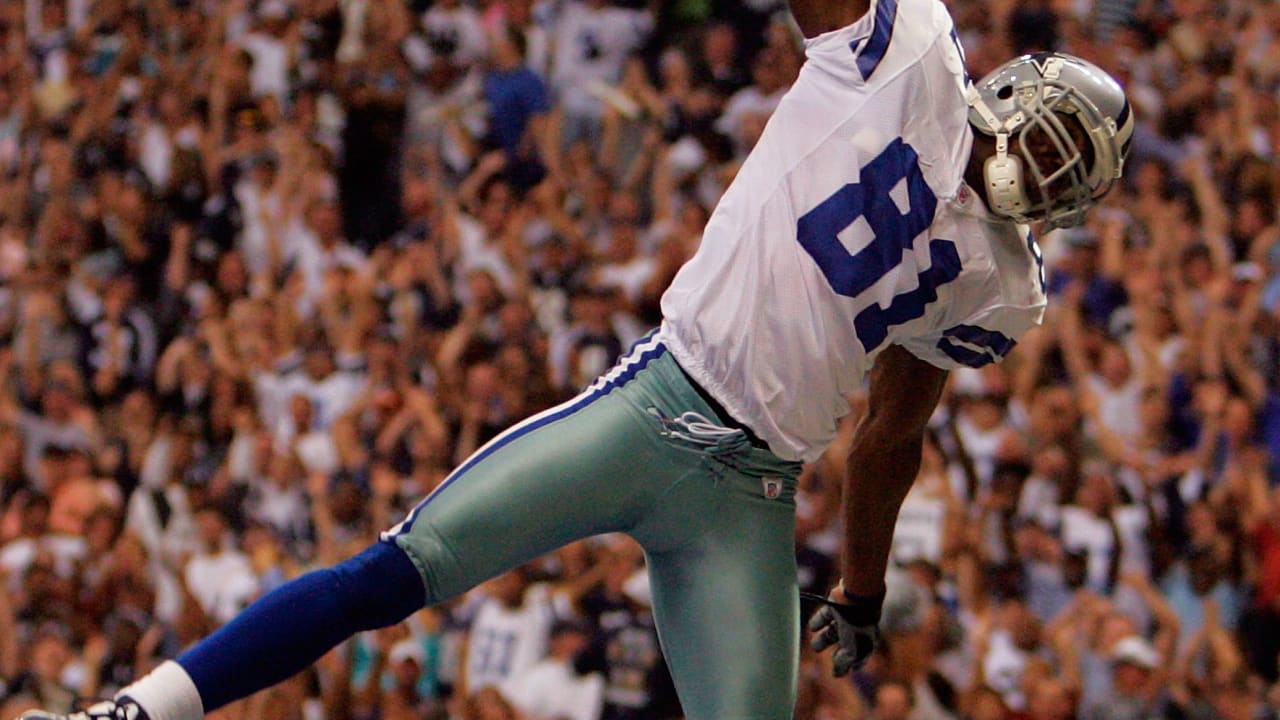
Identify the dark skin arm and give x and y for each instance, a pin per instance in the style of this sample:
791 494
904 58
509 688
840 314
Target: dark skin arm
819 16
883 463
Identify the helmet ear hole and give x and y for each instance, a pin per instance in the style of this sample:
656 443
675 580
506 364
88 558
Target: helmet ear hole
1005 92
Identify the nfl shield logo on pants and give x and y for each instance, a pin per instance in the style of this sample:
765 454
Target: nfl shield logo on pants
772 487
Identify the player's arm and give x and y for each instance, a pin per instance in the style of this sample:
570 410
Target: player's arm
883 462
818 16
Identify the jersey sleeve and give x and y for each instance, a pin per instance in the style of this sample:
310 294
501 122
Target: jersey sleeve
999 296
986 338
981 325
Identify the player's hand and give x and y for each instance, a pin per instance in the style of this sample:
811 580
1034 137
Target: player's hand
851 623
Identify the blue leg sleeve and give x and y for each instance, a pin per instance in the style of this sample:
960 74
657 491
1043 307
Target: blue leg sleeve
292 627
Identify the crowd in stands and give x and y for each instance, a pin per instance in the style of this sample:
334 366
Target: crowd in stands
270 268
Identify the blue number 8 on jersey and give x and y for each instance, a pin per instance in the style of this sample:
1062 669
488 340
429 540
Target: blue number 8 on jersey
893 232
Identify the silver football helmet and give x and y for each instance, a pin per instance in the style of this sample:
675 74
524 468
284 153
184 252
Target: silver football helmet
1042 93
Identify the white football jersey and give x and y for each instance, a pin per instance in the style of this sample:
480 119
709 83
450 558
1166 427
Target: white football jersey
849 228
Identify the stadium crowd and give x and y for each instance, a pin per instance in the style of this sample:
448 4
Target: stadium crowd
270 268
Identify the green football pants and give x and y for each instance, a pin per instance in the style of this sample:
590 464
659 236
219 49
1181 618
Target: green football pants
640 452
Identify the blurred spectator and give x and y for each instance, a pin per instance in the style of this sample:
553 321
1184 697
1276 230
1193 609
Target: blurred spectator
510 632
893 701
219 576
624 647
518 106
1135 682
592 40
552 688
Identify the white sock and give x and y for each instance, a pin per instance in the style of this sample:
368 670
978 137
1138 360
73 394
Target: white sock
167 693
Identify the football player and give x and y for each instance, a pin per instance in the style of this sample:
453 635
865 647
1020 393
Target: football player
877 233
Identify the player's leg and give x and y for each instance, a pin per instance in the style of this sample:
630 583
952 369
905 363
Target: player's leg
293 626
551 479
726 604
274 638
592 465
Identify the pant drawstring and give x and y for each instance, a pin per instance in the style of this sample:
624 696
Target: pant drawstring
696 429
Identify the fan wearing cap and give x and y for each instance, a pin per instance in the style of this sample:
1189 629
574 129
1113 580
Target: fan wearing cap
1138 675
405 662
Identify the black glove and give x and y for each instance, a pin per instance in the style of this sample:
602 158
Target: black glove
853 625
